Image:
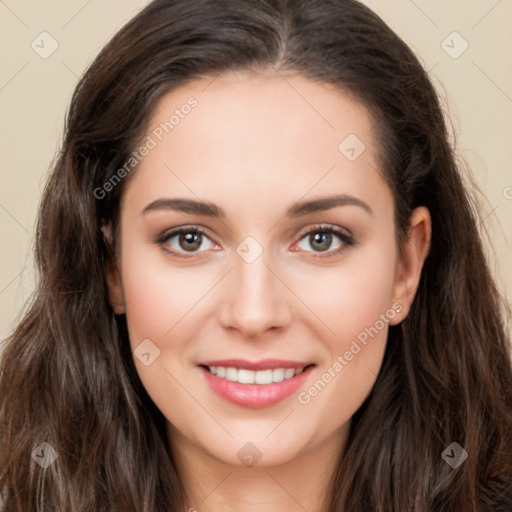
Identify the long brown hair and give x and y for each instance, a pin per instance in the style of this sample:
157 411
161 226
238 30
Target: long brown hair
67 373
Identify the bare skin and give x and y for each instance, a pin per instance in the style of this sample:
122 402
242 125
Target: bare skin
254 145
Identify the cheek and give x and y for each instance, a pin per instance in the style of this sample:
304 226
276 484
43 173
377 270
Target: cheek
160 302
157 295
351 297
353 356
354 302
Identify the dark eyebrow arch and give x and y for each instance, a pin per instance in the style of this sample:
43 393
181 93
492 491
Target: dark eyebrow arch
296 210
326 203
186 206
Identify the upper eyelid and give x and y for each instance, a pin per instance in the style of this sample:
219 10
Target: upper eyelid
170 233
327 227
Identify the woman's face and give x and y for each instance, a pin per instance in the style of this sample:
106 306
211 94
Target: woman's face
296 261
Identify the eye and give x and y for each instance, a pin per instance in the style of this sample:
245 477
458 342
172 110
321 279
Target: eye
191 239
321 239
187 239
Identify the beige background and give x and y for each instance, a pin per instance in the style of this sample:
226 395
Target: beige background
476 88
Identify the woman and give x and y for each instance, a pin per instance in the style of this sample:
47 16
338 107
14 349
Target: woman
261 281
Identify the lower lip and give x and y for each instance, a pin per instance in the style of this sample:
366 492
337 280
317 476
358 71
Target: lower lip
255 396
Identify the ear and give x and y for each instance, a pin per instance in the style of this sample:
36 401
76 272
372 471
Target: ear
113 276
414 251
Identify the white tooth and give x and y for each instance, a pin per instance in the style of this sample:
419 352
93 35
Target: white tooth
277 374
232 374
263 377
246 376
289 373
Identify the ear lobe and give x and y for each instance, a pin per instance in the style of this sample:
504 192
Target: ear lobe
106 229
112 275
414 251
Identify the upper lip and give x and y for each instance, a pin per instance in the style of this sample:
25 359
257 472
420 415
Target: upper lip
263 364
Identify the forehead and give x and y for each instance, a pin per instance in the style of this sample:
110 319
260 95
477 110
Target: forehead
245 104
259 134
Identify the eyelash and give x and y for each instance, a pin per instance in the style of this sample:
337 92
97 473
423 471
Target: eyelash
346 239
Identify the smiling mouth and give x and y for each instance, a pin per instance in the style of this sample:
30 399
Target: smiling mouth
262 377
256 384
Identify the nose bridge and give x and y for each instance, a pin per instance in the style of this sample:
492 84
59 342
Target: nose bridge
254 280
257 299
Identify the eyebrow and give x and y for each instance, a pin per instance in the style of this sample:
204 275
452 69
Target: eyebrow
296 210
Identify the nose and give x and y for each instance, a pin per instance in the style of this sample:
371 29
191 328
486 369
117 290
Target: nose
256 299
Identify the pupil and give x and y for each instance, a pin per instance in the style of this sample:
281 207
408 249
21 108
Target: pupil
193 239
317 237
